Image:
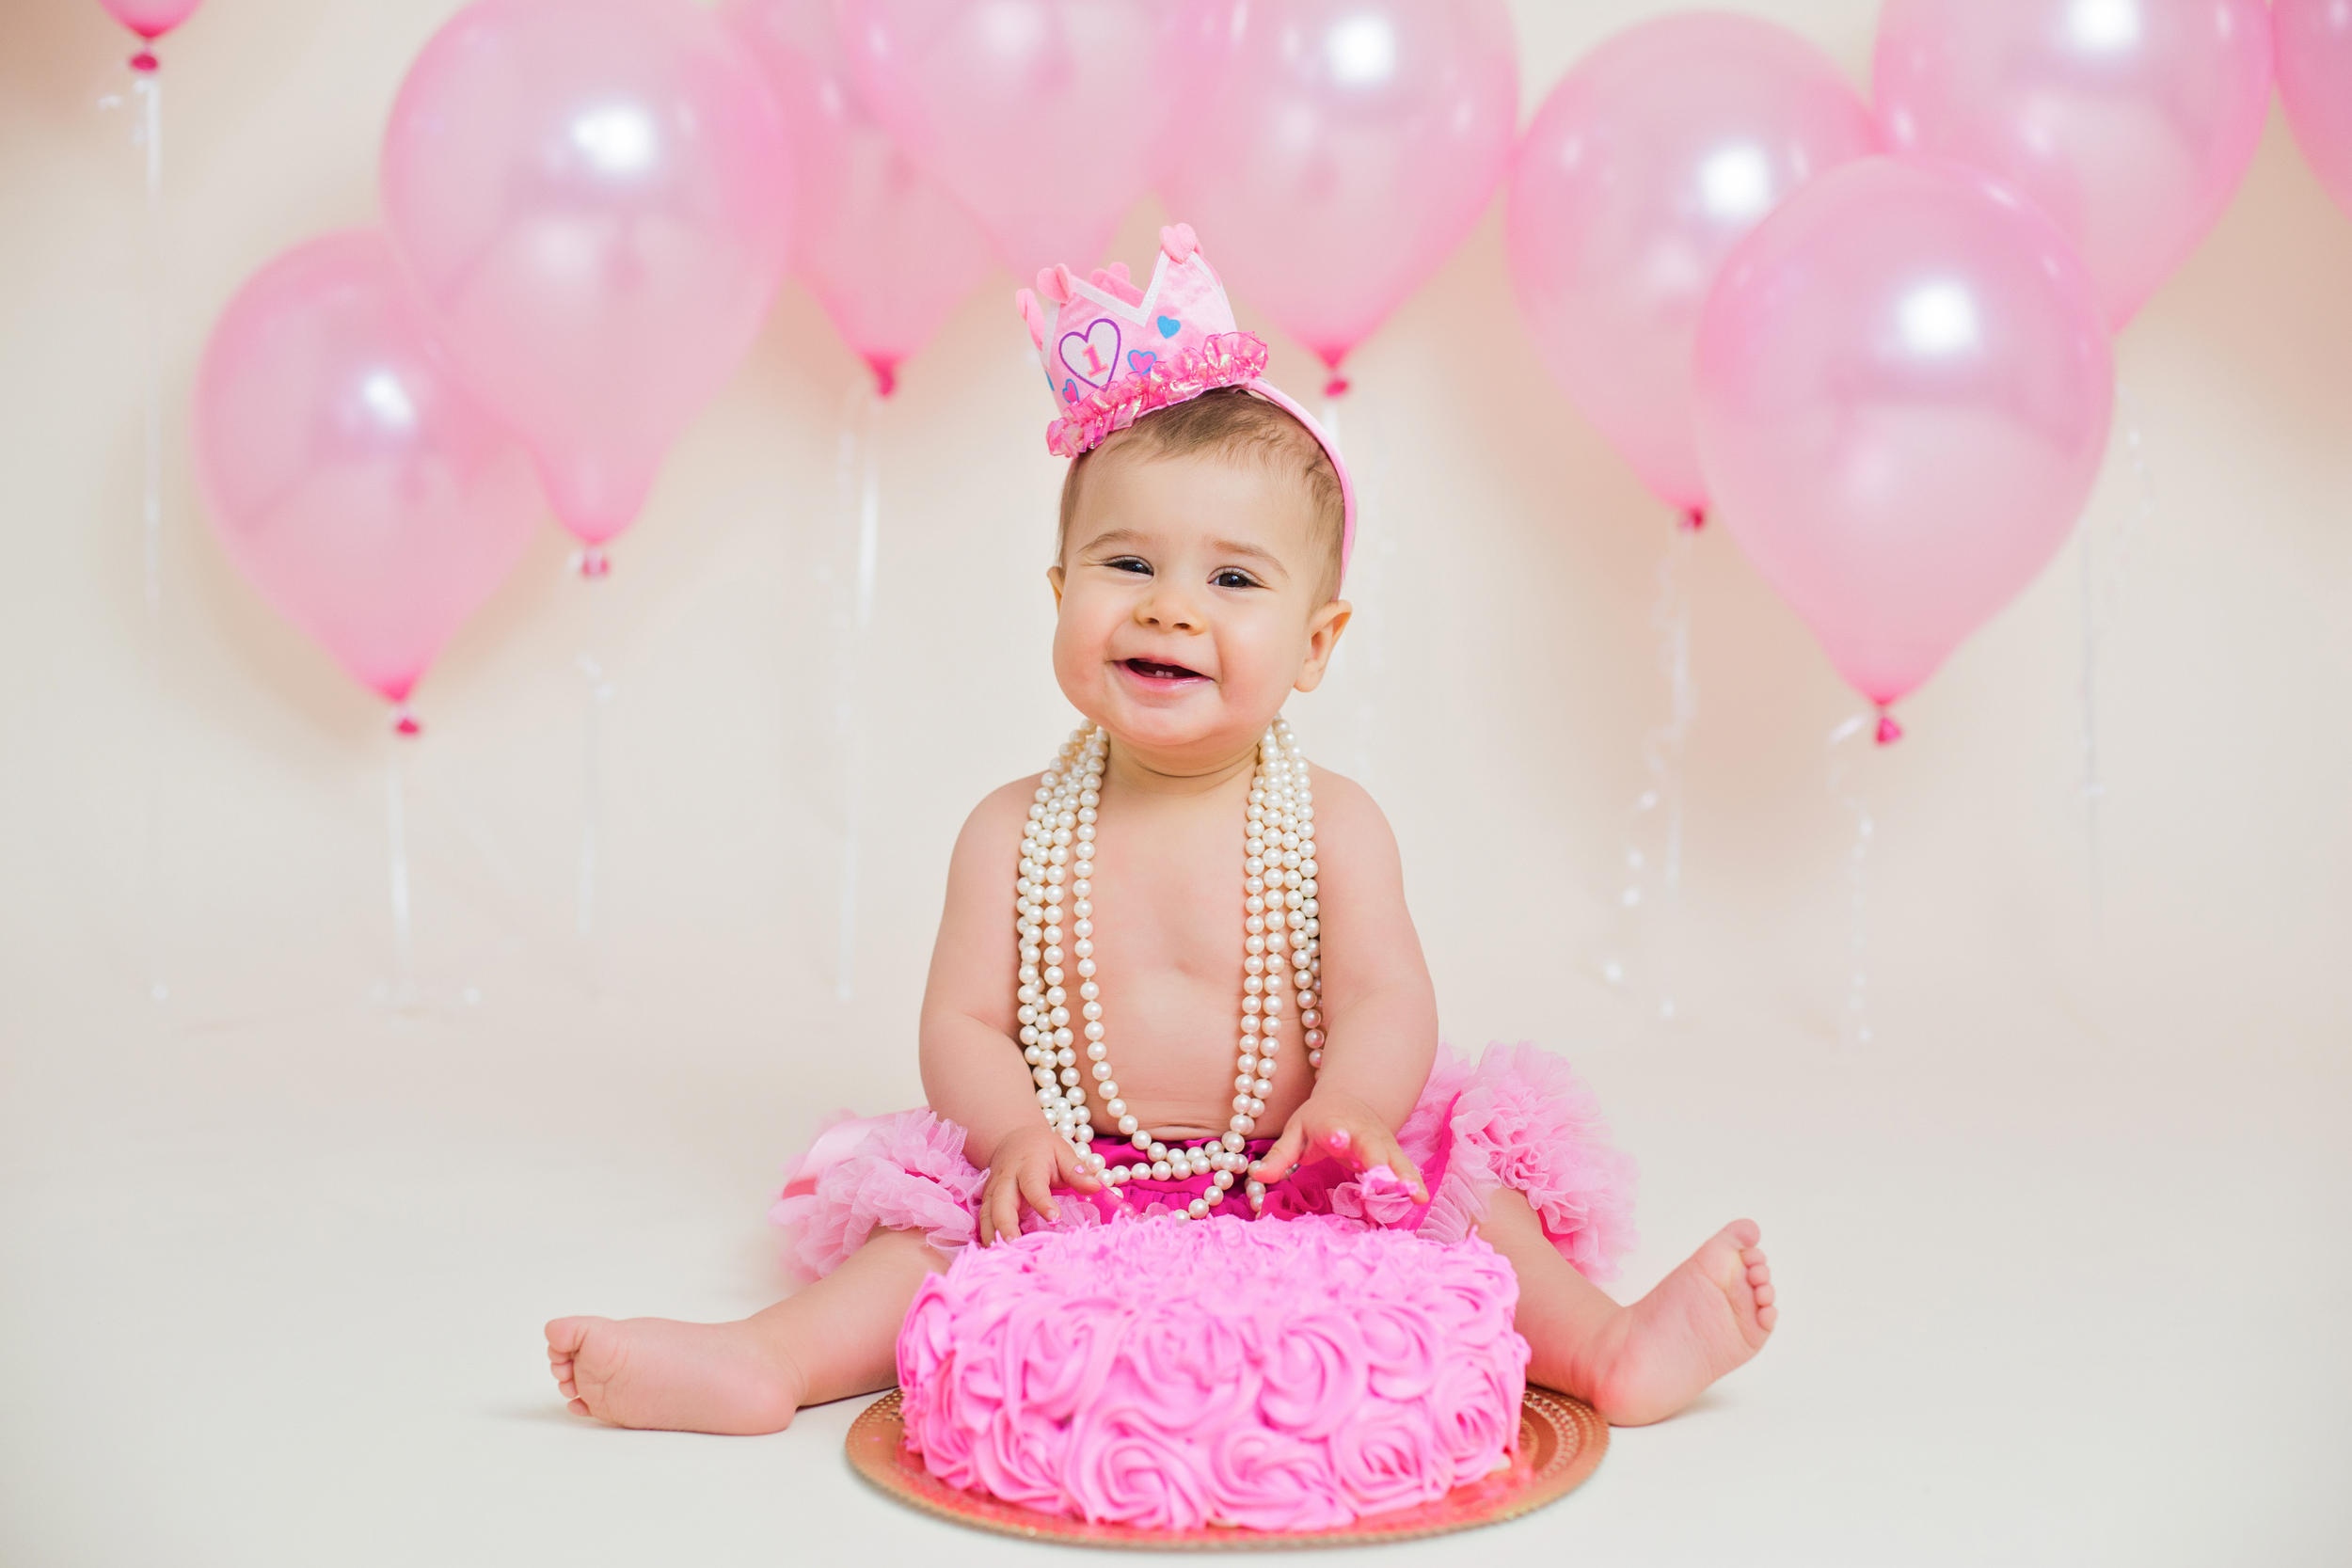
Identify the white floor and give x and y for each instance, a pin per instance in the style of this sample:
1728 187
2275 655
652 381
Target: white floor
272 1294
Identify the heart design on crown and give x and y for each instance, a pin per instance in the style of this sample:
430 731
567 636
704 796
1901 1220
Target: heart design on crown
1092 356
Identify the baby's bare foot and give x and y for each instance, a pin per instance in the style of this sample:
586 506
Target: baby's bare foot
673 1376
1707 1317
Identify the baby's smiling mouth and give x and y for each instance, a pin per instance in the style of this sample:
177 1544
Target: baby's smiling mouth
1153 669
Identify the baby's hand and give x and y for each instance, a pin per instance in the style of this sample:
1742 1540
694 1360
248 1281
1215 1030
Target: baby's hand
1027 1165
1344 1128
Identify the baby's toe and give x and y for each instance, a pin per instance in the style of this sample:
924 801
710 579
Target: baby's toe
1763 1295
1766 1317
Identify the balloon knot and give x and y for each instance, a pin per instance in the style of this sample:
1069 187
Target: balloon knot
1694 518
592 563
145 62
885 375
1889 731
1336 386
403 722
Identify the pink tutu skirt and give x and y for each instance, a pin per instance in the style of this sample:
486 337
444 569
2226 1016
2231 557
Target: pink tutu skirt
1517 1118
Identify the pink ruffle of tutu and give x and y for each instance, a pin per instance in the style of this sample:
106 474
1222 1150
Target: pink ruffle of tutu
1223 360
1521 1119
908 1173
1518 1117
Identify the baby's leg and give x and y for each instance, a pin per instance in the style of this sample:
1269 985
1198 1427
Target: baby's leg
1640 1363
836 1337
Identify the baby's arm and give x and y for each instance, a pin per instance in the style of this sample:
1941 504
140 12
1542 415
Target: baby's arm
1378 1006
973 1073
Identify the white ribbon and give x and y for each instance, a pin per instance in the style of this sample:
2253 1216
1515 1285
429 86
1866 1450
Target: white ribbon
1855 1030
857 536
1662 754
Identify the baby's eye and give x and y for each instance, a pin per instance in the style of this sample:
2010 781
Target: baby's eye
1130 563
1233 577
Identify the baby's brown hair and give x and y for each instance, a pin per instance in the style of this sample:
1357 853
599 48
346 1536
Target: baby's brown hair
1235 424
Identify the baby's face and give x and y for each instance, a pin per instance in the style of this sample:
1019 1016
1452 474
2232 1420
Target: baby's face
1191 604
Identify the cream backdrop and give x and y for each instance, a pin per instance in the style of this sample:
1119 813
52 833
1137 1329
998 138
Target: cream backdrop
2060 1245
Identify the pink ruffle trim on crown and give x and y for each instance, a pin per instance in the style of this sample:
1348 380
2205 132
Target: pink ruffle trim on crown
1224 360
1518 1117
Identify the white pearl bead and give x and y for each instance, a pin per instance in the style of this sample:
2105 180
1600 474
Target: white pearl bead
1126 1124
1160 1171
1223 1180
1198 1207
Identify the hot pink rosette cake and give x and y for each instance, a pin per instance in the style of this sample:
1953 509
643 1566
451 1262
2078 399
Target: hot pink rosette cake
1174 1374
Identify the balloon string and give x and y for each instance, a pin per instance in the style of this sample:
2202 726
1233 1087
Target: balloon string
600 690
1845 770
148 135
1662 754
858 477
396 845
2101 595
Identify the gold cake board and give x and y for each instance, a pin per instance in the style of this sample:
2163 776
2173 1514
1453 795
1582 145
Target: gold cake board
1560 1442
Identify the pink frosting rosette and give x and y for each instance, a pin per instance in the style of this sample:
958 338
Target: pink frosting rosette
1172 1374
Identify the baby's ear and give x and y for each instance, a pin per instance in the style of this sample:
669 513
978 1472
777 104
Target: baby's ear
1323 628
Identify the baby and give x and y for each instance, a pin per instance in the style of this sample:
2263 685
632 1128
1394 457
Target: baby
1205 525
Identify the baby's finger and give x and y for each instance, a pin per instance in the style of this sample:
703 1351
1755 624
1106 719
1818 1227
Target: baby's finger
1004 1212
1392 1155
1035 1188
1067 1169
1277 1161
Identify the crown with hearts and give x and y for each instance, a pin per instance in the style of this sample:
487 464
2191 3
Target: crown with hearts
1114 352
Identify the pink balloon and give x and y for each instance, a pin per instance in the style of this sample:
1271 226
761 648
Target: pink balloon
1904 392
1347 149
1047 118
1649 162
587 195
151 19
2313 39
351 479
885 250
2129 123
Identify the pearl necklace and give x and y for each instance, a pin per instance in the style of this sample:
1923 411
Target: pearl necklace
1281 941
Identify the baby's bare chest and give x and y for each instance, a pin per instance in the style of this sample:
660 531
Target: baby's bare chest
1169 926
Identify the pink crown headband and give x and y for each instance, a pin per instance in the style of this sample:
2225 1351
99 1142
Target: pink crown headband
1114 352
